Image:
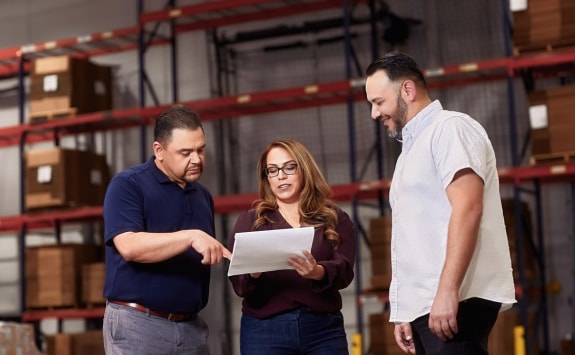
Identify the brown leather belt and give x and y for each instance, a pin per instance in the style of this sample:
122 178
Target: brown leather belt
174 317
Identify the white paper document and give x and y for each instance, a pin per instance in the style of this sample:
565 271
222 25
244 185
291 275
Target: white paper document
268 250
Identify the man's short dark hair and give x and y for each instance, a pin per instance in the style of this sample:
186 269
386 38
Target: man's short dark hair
175 117
398 66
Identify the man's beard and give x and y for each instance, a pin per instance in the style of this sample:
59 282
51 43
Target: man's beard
399 118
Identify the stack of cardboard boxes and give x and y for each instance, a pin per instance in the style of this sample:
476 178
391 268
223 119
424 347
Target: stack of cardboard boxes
62 86
54 274
17 339
66 275
85 343
380 245
63 276
57 177
552 124
382 340
509 216
544 24
93 276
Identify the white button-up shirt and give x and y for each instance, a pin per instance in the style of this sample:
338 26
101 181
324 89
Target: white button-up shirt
436 145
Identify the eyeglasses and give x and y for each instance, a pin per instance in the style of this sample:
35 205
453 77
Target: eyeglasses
272 171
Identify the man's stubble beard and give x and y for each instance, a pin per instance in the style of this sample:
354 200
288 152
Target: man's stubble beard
399 118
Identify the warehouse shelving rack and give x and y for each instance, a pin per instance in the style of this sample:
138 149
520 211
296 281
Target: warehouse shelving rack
14 61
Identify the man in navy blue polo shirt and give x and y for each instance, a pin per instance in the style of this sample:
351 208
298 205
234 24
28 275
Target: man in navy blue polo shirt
159 234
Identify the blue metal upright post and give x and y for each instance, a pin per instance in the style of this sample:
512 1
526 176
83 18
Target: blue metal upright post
174 58
22 143
516 161
352 153
522 301
142 73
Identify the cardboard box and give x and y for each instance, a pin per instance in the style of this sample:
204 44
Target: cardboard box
529 267
85 343
17 339
88 343
556 128
381 338
380 240
57 177
59 344
566 347
53 274
93 276
544 23
65 82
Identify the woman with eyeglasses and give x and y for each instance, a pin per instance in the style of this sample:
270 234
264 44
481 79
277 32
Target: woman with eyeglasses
296 311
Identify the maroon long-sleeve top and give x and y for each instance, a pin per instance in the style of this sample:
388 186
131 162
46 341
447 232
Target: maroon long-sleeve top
280 291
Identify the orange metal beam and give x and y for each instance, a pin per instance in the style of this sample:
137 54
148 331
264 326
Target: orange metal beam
227 12
258 14
223 204
234 203
36 315
209 109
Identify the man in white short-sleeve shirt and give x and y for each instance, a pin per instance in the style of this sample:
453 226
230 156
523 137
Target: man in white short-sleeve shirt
451 266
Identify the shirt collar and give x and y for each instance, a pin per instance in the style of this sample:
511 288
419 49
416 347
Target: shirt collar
418 123
162 178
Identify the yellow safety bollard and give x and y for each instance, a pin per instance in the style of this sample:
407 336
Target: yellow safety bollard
356 344
519 340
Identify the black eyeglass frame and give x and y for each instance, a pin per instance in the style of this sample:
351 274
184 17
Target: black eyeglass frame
293 166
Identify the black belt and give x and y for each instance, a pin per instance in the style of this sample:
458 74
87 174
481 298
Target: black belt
174 317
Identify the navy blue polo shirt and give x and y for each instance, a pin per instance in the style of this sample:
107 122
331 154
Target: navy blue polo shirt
143 199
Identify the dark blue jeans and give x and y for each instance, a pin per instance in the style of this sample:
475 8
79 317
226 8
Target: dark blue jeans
475 319
297 332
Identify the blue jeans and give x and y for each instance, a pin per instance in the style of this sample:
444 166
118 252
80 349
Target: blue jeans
475 319
130 332
293 333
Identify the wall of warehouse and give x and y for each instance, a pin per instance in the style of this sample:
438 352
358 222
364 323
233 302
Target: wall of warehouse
451 32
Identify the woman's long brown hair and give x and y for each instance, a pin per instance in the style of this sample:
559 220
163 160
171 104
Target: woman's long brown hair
316 207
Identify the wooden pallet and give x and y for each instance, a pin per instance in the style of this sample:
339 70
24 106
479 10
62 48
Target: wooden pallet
53 308
564 157
95 305
39 117
544 47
